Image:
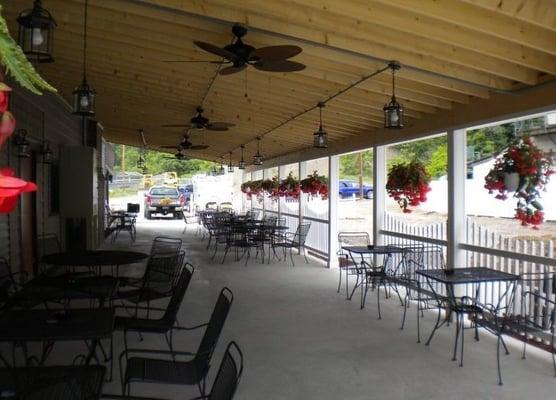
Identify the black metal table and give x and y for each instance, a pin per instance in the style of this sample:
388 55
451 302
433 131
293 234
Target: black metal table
94 258
50 326
65 287
475 277
52 383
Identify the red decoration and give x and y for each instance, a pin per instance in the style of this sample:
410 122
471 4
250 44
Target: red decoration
534 168
315 185
4 96
289 187
408 184
11 188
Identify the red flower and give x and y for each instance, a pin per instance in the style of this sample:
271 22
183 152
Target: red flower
11 188
7 126
4 96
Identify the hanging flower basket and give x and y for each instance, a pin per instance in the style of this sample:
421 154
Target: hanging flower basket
525 170
408 184
252 188
315 185
271 187
289 187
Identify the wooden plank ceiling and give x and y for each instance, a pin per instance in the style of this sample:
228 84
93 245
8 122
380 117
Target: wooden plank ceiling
452 52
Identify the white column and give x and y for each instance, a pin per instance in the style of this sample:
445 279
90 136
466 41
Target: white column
303 198
457 168
379 188
333 190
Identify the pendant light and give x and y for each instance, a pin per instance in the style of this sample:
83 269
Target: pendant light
23 146
393 111
141 161
230 166
241 164
36 33
258 158
84 95
47 153
320 137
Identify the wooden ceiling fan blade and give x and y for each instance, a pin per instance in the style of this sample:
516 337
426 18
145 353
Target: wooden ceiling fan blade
232 70
199 147
219 126
275 53
167 147
216 50
279 66
196 61
176 126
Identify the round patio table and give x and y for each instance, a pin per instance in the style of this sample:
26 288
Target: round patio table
95 258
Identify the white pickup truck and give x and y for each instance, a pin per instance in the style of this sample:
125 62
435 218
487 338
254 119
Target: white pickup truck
164 200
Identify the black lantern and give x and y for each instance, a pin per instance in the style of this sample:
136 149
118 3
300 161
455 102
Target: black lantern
258 158
47 153
84 95
241 164
230 166
22 144
36 33
141 162
393 111
320 137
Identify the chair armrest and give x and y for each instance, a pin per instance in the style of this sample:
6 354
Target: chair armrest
189 328
169 353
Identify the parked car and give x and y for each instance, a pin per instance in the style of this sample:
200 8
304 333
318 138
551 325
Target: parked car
164 200
349 188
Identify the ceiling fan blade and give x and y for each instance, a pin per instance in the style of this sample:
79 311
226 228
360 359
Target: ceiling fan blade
274 53
279 66
199 147
216 50
176 126
167 147
232 70
219 126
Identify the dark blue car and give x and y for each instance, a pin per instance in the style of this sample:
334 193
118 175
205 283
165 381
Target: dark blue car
350 188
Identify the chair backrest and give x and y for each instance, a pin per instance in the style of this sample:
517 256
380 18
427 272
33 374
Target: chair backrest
165 245
535 299
302 232
163 271
211 205
254 215
213 331
48 244
133 208
353 239
229 374
6 278
174 304
226 206
413 255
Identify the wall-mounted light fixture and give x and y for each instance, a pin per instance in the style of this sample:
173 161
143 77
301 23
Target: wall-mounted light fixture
36 33
22 144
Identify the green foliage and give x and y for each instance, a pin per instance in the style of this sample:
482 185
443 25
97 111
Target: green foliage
158 162
438 163
350 165
17 65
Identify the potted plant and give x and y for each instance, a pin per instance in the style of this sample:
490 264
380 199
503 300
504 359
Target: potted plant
315 185
251 188
408 184
523 169
271 187
289 187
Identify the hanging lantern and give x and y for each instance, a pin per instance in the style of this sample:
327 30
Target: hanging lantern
258 158
241 164
84 95
47 153
141 162
22 144
393 111
36 33
320 137
230 166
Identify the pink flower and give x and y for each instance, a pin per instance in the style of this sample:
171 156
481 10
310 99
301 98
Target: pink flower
7 126
11 188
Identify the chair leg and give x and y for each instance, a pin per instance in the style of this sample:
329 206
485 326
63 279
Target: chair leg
457 337
462 340
291 256
305 255
378 300
498 360
404 312
340 281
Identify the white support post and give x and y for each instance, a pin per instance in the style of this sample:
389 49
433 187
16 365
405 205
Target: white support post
264 202
379 188
333 190
457 168
302 198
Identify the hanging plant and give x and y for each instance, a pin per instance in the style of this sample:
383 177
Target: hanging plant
408 184
315 185
289 187
523 169
271 187
252 188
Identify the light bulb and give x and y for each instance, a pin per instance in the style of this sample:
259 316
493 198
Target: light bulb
84 102
37 38
394 117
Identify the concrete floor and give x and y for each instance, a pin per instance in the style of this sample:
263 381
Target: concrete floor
302 340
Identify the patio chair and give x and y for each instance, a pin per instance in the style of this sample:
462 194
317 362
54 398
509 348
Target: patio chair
226 206
127 223
8 281
347 264
225 384
211 205
165 245
193 371
244 236
294 241
48 244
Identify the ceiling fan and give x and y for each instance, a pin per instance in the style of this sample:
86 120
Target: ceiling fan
240 55
178 156
200 122
186 144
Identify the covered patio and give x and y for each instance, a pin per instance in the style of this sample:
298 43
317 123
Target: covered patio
277 92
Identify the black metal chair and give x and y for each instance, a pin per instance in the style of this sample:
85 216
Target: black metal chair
8 281
48 244
226 381
166 245
294 241
346 263
141 368
125 223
